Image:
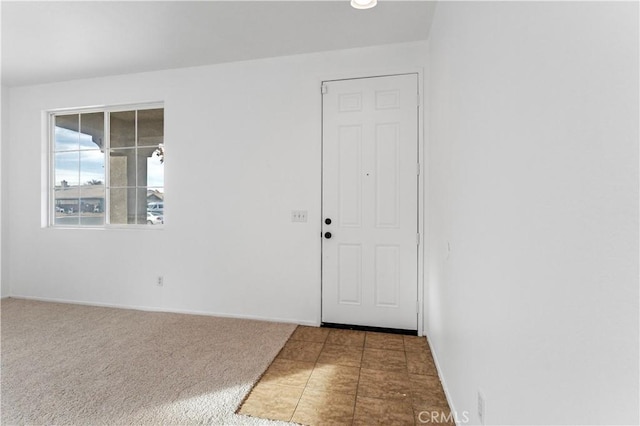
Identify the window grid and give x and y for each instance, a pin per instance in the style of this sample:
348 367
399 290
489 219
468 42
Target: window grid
78 150
106 150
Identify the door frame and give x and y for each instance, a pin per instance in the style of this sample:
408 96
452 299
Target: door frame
422 178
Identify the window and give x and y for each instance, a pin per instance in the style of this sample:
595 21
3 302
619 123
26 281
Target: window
107 167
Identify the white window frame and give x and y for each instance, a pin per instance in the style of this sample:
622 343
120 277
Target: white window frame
51 203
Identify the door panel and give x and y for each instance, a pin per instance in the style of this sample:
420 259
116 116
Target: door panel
370 184
350 175
387 190
387 283
349 274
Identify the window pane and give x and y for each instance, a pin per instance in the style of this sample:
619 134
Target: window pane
155 206
155 199
66 204
92 219
150 168
123 129
122 206
155 218
66 132
91 167
128 206
67 169
92 130
141 206
122 167
150 127
92 205
66 219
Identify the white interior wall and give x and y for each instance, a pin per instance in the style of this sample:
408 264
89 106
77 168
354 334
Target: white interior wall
4 133
533 185
243 150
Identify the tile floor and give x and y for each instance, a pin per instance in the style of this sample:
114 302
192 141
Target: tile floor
326 376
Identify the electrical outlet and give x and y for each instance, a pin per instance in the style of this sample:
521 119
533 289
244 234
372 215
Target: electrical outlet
160 281
298 215
481 410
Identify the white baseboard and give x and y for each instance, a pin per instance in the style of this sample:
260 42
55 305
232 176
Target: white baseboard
166 310
442 379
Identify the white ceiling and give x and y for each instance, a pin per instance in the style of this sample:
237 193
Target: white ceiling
51 41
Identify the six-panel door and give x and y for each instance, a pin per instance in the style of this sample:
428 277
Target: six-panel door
370 193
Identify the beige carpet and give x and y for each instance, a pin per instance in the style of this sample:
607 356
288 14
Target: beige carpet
71 364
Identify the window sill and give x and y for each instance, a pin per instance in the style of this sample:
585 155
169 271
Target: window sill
109 227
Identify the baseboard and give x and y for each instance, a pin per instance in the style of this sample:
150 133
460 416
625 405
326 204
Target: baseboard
442 379
166 310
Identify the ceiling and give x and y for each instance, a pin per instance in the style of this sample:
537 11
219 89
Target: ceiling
51 41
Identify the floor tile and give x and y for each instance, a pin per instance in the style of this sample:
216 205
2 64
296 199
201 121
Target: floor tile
324 408
272 402
393 342
384 384
421 363
383 359
334 378
415 343
288 372
373 411
427 391
349 356
300 351
310 334
346 337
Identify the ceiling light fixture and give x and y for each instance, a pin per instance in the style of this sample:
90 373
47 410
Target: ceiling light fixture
363 4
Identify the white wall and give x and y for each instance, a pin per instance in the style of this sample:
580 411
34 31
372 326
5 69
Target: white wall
243 150
533 184
4 133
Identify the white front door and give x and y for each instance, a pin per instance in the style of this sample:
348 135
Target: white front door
370 202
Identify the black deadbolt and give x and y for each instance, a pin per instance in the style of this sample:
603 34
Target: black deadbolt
327 221
327 235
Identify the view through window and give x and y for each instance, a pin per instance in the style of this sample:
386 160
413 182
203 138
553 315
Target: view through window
108 167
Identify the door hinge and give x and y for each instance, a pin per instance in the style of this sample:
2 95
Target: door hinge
418 239
323 89
418 169
418 96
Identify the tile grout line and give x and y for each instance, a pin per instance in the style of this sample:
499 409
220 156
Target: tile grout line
355 400
315 364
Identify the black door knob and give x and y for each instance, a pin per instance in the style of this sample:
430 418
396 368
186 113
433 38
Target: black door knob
327 235
327 221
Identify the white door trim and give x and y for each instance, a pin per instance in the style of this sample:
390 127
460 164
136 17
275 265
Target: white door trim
422 178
